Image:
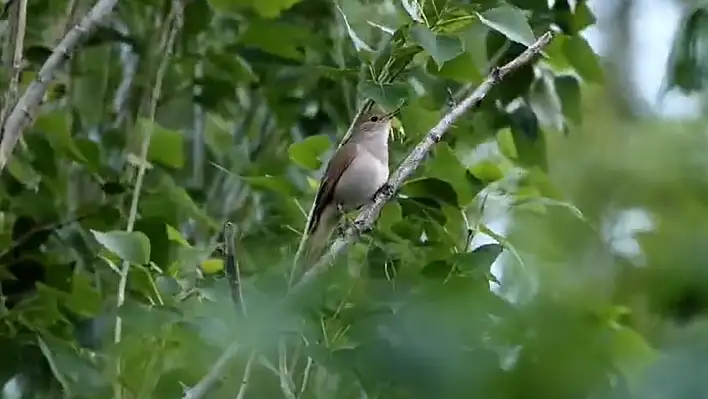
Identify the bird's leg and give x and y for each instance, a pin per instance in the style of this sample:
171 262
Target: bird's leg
341 227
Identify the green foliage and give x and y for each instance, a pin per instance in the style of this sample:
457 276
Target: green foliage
255 96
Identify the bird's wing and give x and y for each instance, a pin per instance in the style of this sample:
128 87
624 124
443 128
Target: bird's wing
337 165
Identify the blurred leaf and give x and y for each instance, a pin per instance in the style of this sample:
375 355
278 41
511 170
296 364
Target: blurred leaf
273 183
582 57
687 68
417 120
568 89
461 69
278 38
306 153
133 247
56 126
83 299
445 166
266 8
359 44
487 171
213 265
388 95
442 48
429 187
481 258
166 146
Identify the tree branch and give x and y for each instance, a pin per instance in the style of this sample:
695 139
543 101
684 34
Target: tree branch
204 385
26 107
369 214
233 274
13 54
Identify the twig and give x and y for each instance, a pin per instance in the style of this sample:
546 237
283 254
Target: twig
369 213
246 375
200 390
305 377
233 274
22 114
167 49
14 51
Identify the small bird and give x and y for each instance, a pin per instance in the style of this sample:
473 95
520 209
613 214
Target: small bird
356 171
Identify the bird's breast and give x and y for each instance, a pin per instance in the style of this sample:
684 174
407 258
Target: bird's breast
360 181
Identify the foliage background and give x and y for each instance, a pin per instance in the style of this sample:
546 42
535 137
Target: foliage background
598 286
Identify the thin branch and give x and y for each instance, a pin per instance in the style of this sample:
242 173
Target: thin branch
233 273
166 49
23 112
14 51
305 377
246 376
200 390
369 214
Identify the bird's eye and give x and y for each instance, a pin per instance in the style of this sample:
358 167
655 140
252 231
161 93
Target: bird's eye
374 118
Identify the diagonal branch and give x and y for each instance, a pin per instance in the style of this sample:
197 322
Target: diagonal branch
13 54
26 107
369 214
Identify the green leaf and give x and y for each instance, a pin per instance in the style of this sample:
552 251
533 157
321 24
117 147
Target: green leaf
445 165
441 47
277 38
166 146
388 95
133 247
582 57
510 22
461 69
266 8
417 120
358 43
555 55
56 126
568 89
429 187
276 184
505 141
306 153
481 258
487 171
84 299
23 172
545 104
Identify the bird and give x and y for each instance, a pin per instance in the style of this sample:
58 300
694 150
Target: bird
354 174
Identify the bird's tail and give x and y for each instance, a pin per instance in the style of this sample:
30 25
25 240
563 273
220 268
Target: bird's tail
317 238
320 235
